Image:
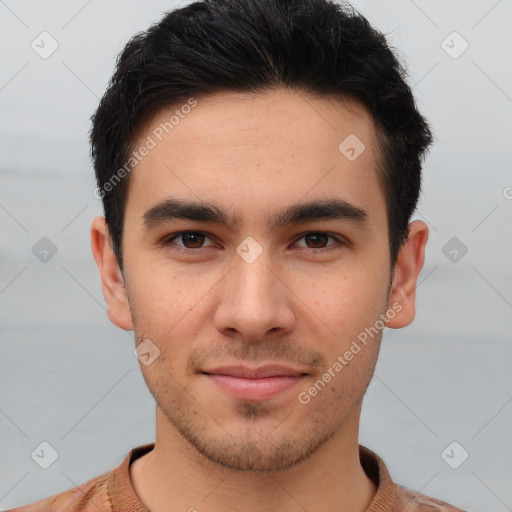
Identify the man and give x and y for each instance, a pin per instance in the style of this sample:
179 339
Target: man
258 163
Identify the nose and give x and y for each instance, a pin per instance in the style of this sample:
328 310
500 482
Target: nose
255 301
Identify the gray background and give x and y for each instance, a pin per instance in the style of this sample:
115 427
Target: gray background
68 376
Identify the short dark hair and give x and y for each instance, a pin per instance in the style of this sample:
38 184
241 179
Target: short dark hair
318 47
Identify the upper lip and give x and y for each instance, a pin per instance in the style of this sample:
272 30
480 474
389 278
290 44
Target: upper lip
255 373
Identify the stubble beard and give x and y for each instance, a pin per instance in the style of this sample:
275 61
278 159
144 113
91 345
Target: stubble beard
250 449
281 449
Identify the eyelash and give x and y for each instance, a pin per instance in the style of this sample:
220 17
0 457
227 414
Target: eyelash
168 241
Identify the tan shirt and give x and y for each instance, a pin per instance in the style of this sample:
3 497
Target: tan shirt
113 491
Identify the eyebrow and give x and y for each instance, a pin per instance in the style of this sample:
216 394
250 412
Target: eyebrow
325 209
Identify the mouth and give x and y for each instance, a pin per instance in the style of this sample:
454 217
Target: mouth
254 384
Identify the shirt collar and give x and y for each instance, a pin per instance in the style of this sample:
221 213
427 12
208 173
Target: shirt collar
124 499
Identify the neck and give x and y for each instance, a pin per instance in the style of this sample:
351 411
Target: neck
174 476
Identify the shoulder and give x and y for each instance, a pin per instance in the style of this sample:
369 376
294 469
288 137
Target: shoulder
412 501
92 496
392 497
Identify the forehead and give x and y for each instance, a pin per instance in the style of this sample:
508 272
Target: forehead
258 151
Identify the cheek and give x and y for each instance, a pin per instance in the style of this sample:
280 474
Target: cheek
165 300
346 301
335 391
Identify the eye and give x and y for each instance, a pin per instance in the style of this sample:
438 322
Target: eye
190 239
318 239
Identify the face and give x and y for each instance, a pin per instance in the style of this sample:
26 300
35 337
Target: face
253 243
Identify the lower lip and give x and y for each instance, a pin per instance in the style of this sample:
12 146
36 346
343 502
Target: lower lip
254 389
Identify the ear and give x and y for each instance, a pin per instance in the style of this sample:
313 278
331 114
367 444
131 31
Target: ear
112 280
408 266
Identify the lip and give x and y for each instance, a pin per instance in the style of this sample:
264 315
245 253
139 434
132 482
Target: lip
269 370
254 384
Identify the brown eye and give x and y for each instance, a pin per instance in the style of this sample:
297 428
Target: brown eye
317 240
189 240
192 240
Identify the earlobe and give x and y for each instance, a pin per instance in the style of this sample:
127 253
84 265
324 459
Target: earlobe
405 279
112 280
